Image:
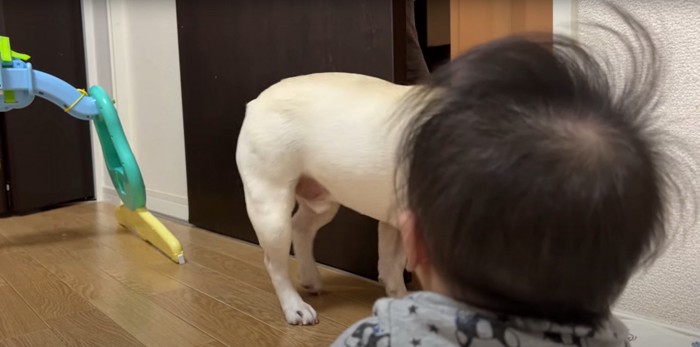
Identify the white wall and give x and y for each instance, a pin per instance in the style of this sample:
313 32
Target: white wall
563 17
99 72
132 51
670 290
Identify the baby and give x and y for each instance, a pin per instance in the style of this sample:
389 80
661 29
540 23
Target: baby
534 188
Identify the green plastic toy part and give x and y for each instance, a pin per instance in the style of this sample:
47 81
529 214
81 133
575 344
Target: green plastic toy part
6 55
6 52
119 159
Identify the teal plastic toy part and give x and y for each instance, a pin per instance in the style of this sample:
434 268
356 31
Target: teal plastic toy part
119 159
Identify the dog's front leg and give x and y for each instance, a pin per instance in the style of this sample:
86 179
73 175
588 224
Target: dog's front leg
296 311
392 260
305 224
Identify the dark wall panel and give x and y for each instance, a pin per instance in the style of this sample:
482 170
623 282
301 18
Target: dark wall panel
47 153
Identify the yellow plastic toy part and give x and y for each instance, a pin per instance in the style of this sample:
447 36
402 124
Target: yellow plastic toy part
142 222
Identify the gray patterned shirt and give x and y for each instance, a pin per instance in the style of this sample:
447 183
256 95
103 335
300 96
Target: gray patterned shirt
429 319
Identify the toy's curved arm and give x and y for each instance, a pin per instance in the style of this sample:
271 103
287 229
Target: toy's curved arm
73 101
25 82
19 84
121 163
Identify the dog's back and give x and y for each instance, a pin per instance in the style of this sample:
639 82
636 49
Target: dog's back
332 127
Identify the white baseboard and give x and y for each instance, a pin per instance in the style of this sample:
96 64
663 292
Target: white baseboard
679 329
160 202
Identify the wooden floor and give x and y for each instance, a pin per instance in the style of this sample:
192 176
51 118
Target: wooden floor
72 277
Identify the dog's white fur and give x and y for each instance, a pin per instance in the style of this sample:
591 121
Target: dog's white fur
321 140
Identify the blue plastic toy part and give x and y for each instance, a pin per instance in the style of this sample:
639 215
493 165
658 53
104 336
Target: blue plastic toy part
65 96
16 86
121 163
23 83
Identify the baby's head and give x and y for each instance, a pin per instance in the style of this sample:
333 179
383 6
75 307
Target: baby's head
533 183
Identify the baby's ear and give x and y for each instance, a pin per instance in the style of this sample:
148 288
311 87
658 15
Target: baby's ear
413 243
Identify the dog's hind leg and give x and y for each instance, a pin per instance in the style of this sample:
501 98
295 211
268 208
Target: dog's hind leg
392 260
269 166
309 218
270 210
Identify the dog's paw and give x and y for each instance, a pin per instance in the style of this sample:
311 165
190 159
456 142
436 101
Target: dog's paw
311 280
314 289
396 291
300 314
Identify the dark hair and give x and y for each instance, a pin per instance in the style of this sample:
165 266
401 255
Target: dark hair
536 176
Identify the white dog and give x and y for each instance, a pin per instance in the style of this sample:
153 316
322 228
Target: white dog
321 140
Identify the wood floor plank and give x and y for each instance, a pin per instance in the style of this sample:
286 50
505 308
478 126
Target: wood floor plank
92 328
35 229
341 284
130 294
254 302
41 338
130 265
105 232
338 282
123 257
124 248
213 241
58 221
221 321
203 279
338 309
53 299
5 244
328 305
46 295
213 344
150 323
55 253
45 241
87 280
141 279
229 266
16 318
142 318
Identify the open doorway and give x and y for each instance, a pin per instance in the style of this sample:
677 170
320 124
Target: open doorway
448 28
433 26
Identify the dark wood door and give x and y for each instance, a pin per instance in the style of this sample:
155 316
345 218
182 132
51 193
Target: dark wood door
230 51
47 153
4 210
3 193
